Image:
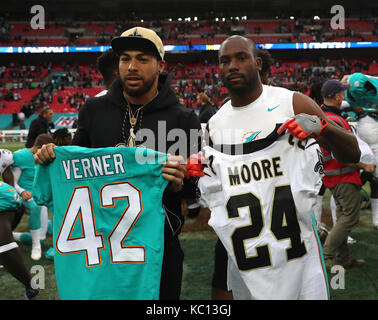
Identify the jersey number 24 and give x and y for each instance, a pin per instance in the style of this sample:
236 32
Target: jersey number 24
284 225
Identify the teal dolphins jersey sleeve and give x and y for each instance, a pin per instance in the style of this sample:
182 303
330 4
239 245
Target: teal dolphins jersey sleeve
24 159
108 221
9 198
42 187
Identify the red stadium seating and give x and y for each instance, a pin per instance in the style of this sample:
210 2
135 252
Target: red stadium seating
203 33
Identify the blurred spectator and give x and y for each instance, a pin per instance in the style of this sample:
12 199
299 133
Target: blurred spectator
207 109
107 64
267 62
42 124
62 137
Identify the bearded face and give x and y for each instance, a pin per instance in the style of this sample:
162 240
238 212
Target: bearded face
139 72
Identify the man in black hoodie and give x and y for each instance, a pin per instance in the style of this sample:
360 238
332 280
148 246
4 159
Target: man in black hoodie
141 108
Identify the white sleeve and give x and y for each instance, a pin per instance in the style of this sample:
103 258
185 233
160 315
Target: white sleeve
6 159
16 176
367 155
344 104
210 187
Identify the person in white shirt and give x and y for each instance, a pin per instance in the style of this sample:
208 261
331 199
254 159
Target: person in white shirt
252 114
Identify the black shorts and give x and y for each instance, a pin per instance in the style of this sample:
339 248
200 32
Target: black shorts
220 267
322 190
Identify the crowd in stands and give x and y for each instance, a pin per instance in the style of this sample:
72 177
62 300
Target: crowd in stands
65 87
214 30
28 88
295 75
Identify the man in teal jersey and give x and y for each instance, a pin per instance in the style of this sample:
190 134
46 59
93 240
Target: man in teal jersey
10 256
23 170
362 96
363 91
108 220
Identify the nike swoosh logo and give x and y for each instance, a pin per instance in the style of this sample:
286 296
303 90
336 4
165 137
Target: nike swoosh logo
271 109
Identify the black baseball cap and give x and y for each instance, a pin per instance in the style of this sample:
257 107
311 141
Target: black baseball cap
331 87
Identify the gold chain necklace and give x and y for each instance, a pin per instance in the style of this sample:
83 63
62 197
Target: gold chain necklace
133 119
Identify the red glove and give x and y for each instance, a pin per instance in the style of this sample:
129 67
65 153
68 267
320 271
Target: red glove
194 167
304 125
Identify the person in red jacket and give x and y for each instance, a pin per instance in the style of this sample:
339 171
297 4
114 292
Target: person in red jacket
343 179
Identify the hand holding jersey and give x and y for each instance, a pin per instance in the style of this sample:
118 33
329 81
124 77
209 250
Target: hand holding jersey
304 125
195 166
26 195
45 154
341 143
173 169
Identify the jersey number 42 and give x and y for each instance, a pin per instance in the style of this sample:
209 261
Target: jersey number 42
90 242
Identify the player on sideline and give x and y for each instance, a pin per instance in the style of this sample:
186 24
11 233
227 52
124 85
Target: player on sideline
11 211
23 170
253 114
362 96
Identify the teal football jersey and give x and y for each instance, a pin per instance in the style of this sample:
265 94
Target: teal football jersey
9 198
24 159
363 91
108 225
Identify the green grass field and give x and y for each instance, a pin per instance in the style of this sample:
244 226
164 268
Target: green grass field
198 241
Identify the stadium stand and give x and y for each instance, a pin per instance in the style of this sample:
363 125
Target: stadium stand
69 83
65 86
195 32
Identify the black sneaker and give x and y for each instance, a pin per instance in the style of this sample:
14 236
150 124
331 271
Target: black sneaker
31 294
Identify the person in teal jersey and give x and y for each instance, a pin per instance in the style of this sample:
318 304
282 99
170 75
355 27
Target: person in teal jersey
363 91
11 210
23 170
108 221
62 137
362 96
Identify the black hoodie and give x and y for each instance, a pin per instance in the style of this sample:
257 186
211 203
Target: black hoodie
100 125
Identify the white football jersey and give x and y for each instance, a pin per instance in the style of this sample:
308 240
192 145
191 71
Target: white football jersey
261 196
233 125
6 159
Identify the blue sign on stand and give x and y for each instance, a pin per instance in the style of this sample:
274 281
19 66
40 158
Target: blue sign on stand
201 47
